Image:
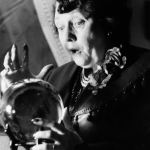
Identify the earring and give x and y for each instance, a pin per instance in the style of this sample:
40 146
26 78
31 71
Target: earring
109 33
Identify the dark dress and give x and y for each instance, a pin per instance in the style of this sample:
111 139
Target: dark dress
118 117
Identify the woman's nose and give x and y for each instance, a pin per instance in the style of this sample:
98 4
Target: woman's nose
70 36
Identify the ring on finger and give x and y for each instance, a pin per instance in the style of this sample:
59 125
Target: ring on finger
8 69
14 68
53 146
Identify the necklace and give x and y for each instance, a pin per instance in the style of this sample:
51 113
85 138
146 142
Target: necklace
84 77
84 80
98 79
76 91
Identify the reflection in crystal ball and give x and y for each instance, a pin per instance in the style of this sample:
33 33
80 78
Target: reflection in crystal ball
26 100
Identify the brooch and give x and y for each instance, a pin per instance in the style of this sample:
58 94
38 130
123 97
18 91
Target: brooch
113 61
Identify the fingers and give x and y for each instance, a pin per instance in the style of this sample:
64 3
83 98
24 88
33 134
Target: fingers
11 59
47 134
7 61
3 84
60 129
25 62
14 57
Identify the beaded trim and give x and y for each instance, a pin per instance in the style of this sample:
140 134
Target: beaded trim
76 91
114 97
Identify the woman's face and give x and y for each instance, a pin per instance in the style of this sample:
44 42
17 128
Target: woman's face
81 37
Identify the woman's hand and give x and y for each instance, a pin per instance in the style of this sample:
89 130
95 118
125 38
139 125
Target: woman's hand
64 138
15 71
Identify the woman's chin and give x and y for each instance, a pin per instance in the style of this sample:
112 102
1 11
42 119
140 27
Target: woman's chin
83 64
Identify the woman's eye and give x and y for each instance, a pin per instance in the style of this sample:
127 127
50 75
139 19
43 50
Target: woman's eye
79 24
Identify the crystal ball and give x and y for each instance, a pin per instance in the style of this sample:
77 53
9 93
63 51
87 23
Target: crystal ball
26 100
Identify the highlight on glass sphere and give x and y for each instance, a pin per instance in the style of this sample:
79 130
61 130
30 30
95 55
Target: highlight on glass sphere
25 101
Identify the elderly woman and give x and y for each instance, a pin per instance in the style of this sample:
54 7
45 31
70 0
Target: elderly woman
106 88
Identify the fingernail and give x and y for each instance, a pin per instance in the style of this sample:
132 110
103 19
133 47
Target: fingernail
25 47
5 130
9 53
25 55
7 126
14 46
13 51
